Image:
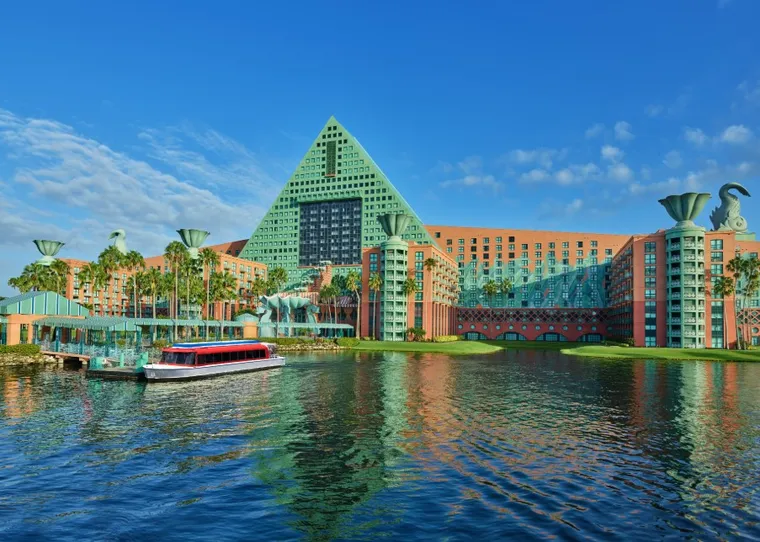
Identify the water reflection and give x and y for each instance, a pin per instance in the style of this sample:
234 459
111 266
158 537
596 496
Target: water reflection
350 445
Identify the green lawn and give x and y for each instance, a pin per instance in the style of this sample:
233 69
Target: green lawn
573 349
618 352
458 347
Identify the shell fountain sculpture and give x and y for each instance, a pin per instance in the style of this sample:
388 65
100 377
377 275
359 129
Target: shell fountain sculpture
119 240
48 249
193 240
394 224
684 208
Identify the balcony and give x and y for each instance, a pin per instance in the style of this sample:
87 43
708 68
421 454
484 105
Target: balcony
675 283
674 320
675 246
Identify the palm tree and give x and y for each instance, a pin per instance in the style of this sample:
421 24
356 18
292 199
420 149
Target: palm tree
505 286
60 271
375 283
279 277
430 264
224 289
491 288
746 272
409 287
210 261
334 291
354 285
153 282
34 277
134 262
175 253
94 275
110 259
724 287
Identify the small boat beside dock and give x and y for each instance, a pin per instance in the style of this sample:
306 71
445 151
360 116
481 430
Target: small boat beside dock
187 361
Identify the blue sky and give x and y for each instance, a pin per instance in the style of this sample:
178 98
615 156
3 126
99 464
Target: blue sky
542 114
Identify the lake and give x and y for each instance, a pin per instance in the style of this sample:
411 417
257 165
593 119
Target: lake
365 445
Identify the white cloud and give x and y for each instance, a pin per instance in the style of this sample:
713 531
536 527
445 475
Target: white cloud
535 175
472 176
620 172
673 160
750 92
542 157
736 134
654 110
88 189
594 130
565 176
695 136
574 206
670 186
613 154
623 131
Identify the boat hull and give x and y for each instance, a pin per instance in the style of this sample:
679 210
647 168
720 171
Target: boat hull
157 372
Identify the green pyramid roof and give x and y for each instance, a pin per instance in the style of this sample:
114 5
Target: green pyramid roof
335 168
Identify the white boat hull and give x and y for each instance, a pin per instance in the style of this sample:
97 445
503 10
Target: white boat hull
163 372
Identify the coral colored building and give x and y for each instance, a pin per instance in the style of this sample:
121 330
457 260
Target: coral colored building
115 301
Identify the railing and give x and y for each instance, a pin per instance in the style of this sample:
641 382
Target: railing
114 351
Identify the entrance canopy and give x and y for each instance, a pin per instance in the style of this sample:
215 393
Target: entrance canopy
42 303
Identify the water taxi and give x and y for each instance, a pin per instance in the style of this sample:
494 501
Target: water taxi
185 361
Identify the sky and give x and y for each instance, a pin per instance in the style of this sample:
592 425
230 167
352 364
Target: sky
154 116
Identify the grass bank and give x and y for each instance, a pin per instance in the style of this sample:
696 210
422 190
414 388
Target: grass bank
620 352
458 347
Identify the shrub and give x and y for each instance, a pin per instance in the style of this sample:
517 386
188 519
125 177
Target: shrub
347 342
446 338
368 338
160 343
23 349
620 341
417 333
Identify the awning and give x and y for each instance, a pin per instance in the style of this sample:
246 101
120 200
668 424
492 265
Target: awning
110 323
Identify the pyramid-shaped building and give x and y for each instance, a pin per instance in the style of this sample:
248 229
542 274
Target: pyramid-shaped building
328 209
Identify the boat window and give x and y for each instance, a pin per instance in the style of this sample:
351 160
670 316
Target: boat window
179 358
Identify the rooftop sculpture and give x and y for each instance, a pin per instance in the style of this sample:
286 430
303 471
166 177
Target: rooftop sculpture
727 217
48 249
120 240
684 208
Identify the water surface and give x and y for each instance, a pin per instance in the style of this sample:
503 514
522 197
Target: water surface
364 445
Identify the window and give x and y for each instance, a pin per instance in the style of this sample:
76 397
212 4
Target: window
437 235
716 244
650 247
608 252
716 256
579 244
594 244
650 294
486 240
473 241
716 269
525 246
538 246
460 241
650 258
565 244
511 239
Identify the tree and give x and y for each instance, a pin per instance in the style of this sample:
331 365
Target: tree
94 275
153 283
409 287
59 271
430 264
375 283
175 254
279 277
224 289
724 287
210 261
324 298
134 262
109 260
259 287
334 291
746 272
505 286
417 333
491 288
354 285
34 277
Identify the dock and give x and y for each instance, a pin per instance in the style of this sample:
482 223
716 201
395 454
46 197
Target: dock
116 373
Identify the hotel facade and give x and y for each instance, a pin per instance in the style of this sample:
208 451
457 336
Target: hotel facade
337 213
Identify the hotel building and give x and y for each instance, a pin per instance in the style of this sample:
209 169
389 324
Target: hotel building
653 289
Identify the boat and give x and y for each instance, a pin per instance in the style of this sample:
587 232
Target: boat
187 361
